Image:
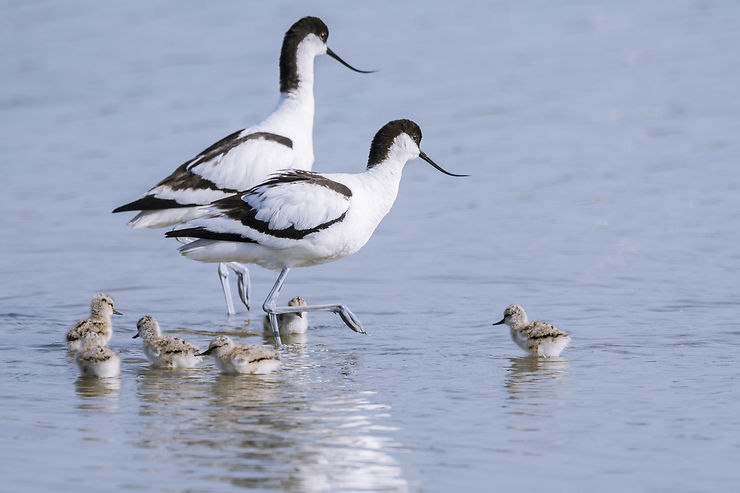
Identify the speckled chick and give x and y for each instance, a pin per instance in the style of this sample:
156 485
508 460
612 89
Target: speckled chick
537 338
95 358
165 351
101 309
235 358
289 323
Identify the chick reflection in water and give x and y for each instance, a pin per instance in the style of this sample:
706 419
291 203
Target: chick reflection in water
88 387
235 358
535 384
537 338
292 326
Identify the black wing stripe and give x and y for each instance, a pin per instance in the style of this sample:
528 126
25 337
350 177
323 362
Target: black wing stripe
219 147
234 207
150 203
546 336
247 218
207 235
184 179
246 215
298 175
280 139
227 143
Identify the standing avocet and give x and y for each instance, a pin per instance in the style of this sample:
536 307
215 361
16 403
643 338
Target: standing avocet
247 157
537 338
299 218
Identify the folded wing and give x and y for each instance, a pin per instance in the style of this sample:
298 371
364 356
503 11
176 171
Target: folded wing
288 206
233 164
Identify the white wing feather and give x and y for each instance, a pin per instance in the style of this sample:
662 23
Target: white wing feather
303 205
246 165
240 168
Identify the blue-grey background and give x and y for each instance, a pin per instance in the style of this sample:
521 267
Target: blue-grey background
602 140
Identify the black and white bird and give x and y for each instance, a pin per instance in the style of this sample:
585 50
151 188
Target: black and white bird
300 218
247 157
537 338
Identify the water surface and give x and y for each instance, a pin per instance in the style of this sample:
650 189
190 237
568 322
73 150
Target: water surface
602 144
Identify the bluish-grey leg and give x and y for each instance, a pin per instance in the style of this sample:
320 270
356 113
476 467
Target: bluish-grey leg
223 274
272 310
270 304
243 282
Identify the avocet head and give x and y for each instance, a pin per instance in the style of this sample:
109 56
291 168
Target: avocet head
102 306
399 140
218 345
147 327
305 39
514 316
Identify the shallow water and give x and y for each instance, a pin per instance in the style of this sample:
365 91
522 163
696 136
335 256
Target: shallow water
602 144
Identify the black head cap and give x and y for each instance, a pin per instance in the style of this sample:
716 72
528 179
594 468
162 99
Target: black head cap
384 139
293 37
308 25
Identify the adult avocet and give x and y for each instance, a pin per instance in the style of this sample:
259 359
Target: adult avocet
299 218
246 157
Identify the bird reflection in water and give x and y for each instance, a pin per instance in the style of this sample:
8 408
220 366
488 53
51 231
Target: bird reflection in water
168 407
288 339
534 384
91 388
279 431
303 428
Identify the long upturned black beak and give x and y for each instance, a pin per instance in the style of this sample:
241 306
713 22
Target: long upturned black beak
500 321
336 57
426 158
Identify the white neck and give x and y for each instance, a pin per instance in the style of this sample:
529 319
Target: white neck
293 116
383 181
298 102
295 109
